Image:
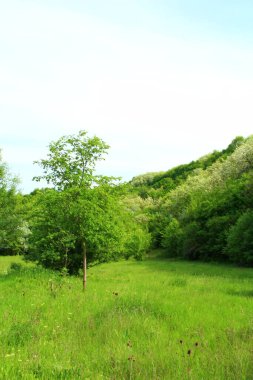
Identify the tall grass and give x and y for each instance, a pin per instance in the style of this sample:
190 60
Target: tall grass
156 319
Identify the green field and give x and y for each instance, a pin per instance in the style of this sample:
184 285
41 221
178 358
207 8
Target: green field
156 319
6 261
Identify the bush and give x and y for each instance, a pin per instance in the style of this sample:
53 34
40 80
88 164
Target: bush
138 244
15 267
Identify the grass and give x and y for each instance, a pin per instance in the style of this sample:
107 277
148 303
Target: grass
156 319
7 261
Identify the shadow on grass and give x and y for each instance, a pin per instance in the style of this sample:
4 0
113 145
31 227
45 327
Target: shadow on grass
240 293
198 268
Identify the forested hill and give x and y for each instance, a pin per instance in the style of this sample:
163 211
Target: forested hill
204 209
158 183
201 210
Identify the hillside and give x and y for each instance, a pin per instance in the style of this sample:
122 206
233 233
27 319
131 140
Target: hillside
204 209
198 211
163 182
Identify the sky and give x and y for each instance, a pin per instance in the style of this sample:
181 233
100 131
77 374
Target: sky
163 82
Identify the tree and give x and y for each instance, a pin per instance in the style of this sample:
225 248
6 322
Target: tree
71 161
63 221
172 238
12 226
239 243
70 167
194 219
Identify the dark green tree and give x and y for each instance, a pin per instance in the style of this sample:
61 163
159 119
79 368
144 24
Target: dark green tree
240 243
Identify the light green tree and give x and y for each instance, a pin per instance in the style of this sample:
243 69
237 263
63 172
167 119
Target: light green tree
71 162
70 168
12 225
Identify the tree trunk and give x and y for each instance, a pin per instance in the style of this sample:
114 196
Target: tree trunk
84 264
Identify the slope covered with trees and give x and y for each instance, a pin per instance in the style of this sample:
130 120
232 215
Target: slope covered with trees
158 184
201 210
207 212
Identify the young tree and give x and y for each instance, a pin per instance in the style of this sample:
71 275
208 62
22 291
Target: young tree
70 167
71 161
63 222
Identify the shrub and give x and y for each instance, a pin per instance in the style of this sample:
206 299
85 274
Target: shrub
15 267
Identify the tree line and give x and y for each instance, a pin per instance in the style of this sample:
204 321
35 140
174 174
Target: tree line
201 210
204 210
79 217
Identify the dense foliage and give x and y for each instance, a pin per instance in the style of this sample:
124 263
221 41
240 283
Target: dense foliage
60 220
158 184
207 213
201 210
82 218
13 228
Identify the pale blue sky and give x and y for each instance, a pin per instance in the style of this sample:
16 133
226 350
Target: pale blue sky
162 82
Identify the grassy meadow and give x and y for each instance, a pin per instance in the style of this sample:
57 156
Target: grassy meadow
156 319
6 261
